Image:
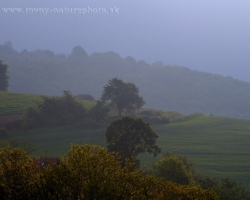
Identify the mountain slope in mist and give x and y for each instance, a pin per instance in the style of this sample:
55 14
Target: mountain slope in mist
162 87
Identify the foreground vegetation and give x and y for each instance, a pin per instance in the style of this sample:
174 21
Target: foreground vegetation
217 146
85 172
211 143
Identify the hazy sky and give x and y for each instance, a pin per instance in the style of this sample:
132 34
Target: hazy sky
207 35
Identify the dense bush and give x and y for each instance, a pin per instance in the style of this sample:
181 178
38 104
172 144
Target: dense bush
64 110
55 111
226 188
18 174
176 169
99 112
85 172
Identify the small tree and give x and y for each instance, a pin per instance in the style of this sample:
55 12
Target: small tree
122 95
4 79
131 137
176 169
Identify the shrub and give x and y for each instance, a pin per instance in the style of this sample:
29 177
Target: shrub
85 172
175 169
99 112
18 174
55 111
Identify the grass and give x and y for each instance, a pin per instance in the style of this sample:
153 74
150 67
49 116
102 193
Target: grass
217 146
56 141
15 103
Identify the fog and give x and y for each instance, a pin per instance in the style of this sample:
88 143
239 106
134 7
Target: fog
208 35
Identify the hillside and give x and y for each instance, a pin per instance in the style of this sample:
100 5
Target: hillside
162 86
217 146
16 103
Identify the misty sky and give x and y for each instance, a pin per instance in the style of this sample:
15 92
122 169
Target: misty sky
206 35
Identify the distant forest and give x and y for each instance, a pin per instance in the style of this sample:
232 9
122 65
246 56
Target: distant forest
165 87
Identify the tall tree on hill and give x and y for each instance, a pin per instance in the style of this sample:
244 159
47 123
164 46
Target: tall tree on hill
122 95
4 79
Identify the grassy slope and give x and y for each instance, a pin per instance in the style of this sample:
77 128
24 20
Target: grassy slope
218 146
15 103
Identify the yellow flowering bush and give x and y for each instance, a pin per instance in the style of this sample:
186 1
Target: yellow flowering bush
85 172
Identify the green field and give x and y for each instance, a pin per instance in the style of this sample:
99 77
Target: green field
217 146
15 103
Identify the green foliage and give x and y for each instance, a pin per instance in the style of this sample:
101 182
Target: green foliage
64 110
16 104
85 172
218 146
4 79
56 111
99 112
176 169
18 174
131 137
122 95
226 188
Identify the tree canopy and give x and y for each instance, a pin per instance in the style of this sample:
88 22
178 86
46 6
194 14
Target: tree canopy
131 137
4 79
79 51
173 168
122 95
85 172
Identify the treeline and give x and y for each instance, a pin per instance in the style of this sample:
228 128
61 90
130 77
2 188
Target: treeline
85 172
91 172
162 87
66 110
